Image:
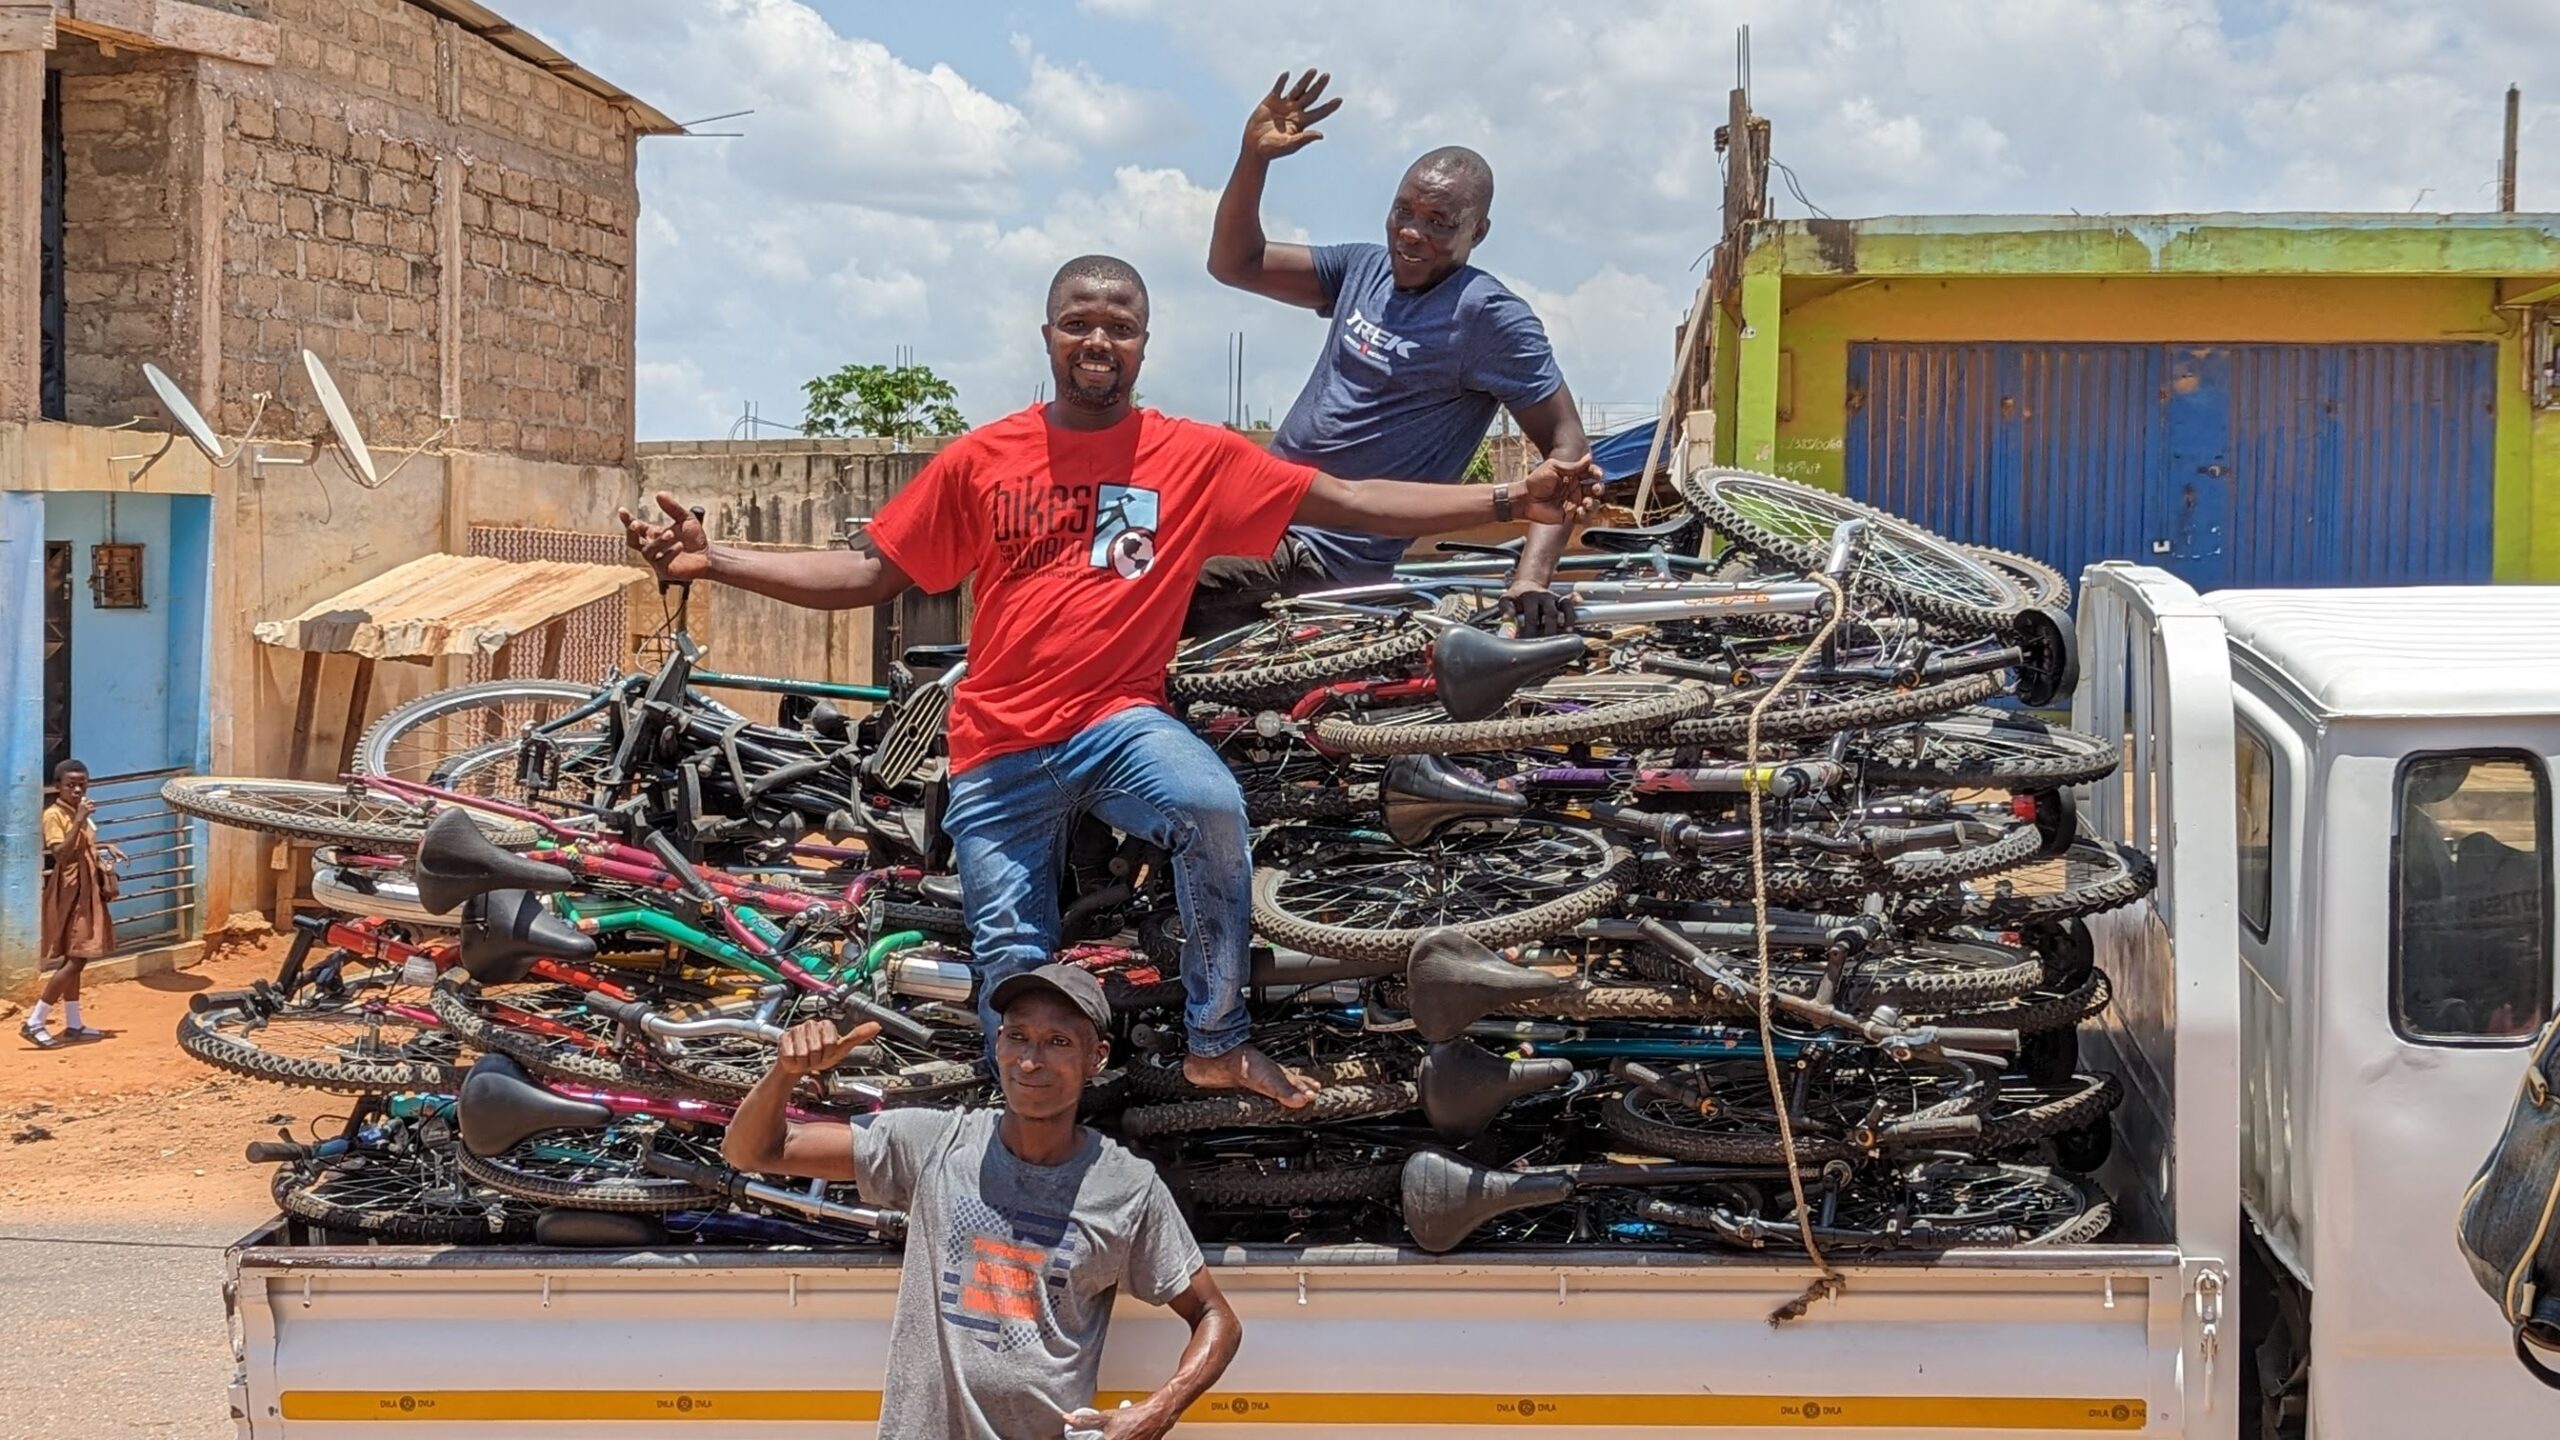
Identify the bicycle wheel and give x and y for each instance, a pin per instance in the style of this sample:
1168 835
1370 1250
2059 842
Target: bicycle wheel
1552 712
373 1041
1798 875
1938 1205
1921 572
2043 585
2023 1111
1810 711
398 1192
1833 1101
1919 976
322 813
2090 877
1359 896
548 1030
599 1169
1987 749
1292 651
467 739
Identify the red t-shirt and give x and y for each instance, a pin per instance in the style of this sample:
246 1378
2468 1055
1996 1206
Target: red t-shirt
1086 545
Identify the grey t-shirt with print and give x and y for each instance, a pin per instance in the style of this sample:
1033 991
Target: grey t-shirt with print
1010 1270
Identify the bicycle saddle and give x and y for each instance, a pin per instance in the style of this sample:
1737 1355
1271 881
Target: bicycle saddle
933 659
940 890
1424 794
1478 671
1464 1085
1451 982
456 861
1679 533
499 1109
505 931
1446 1199
598 1230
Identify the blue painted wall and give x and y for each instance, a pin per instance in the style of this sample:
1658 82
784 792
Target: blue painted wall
120 674
21 731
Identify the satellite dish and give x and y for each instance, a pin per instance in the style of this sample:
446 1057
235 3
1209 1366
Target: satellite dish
342 422
184 411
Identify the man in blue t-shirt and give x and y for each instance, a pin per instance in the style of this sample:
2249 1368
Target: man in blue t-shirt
1421 349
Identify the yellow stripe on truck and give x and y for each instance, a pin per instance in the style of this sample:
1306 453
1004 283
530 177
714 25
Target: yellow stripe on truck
1798 1412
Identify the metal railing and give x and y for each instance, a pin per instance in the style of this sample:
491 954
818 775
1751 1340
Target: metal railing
157 882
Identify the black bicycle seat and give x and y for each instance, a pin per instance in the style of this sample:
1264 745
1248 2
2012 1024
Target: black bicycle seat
1424 794
499 1109
940 890
1446 1199
1679 533
1464 1085
1452 981
598 1230
933 659
1478 671
505 931
457 861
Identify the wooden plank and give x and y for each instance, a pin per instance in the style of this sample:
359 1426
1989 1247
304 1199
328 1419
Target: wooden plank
305 701
359 695
26 27
554 636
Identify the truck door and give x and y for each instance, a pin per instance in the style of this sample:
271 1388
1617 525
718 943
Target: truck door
2414 1090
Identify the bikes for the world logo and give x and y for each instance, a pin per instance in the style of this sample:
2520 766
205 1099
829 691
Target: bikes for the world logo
1124 530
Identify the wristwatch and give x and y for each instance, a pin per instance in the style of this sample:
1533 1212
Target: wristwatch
1502 502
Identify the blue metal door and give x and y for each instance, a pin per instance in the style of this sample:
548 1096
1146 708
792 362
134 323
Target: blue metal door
2227 464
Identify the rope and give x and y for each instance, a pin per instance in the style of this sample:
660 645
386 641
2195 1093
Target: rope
1827 1282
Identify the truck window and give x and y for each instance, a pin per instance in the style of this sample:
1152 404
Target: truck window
2257 811
2471 899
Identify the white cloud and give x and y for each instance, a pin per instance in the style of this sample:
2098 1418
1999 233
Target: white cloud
1075 104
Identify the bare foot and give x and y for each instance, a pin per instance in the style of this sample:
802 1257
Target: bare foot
1245 1068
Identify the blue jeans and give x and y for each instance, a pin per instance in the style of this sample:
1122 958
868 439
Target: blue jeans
1141 772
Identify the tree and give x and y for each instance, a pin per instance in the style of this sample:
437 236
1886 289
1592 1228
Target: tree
896 401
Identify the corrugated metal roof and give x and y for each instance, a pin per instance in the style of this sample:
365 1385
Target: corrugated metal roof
447 605
2422 650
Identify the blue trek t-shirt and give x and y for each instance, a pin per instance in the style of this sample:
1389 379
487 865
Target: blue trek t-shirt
1406 385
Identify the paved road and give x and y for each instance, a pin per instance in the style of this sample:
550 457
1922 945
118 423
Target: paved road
114 1339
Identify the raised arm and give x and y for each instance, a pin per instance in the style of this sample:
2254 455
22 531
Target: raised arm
1558 492
762 1140
814 579
1239 255
1554 425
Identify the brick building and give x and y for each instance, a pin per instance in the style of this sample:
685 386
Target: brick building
439 206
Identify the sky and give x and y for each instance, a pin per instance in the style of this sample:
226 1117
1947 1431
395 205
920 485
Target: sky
913 174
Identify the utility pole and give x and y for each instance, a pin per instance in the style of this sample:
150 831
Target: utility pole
2507 160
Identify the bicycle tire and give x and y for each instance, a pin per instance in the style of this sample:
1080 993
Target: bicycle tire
299 810
1990 604
2037 1012
1535 922
2023 1112
1794 880
637 1194
301 1190
2098 875
1873 979
543 1056
897 915
1622 1002
216 1038
1242 1183
1255 681
1672 702
374 746
1987 749
2043 585
1160 1077
1254 1112
1884 707
1283 806
1621 1118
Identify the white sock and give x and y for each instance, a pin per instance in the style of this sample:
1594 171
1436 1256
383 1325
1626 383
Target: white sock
36 1017
70 1014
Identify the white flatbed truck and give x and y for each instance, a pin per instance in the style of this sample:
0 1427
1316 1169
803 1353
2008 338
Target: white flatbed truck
2276 743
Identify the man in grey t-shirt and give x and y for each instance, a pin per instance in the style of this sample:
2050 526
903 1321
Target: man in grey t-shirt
1022 1228
1422 349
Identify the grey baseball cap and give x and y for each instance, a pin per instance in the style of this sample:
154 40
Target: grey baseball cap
1074 983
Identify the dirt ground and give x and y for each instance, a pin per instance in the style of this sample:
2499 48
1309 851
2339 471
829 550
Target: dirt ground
121 1181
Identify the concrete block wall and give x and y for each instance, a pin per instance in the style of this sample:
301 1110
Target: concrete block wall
121 230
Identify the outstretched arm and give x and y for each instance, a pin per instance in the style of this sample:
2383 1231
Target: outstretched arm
1239 255
813 579
762 1140
1554 425
1558 492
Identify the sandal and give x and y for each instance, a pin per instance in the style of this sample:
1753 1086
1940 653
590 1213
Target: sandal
39 1037
84 1032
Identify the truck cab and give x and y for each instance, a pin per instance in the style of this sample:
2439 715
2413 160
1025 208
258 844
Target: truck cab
2391 777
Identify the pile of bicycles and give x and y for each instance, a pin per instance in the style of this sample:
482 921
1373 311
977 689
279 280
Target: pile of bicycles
1745 913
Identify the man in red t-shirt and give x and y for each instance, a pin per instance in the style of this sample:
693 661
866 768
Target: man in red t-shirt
1086 522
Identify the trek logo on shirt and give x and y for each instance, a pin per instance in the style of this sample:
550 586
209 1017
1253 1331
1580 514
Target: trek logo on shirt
1366 336
1124 530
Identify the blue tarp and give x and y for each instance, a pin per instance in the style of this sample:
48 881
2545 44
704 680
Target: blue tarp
1621 456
